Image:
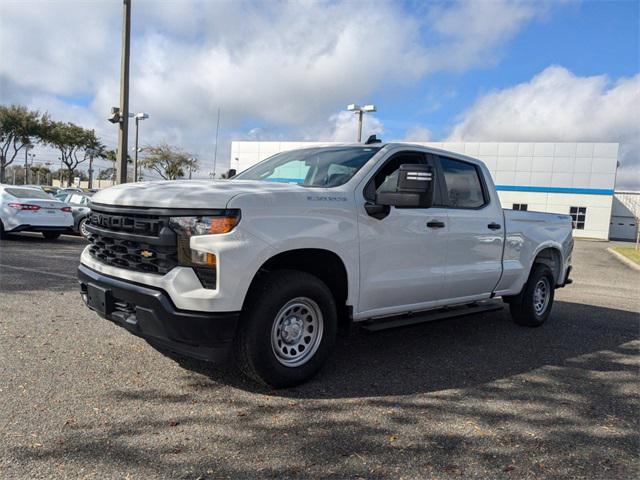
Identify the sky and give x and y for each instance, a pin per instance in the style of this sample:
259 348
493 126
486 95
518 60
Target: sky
486 70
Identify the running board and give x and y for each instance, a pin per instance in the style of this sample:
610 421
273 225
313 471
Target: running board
431 315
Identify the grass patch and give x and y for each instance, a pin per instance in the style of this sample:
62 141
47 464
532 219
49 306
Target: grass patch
630 252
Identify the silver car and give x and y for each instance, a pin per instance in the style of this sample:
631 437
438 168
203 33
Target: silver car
79 203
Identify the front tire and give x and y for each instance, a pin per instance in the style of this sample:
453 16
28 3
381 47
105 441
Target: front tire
533 306
287 329
50 235
82 228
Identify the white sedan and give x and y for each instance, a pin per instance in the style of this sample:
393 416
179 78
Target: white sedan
25 209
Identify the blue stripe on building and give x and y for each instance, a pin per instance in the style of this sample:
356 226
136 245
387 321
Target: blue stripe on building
586 191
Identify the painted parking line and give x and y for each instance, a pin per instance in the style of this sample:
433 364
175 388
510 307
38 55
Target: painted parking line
35 270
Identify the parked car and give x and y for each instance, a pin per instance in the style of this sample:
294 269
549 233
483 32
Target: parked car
79 203
26 209
63 193
51 190
267 264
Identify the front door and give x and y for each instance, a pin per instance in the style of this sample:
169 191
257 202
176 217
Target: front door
402 256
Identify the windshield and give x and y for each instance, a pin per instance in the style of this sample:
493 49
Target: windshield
28 193
311 167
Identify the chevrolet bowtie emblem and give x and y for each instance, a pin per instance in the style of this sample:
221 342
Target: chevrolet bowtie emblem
146 253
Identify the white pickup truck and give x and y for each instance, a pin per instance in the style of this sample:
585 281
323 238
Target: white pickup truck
269 264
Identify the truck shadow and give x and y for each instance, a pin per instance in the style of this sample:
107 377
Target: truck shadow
455 353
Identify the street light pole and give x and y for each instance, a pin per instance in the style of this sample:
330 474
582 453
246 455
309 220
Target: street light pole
91 153
360 111
215 152
26 164
138 117
121 161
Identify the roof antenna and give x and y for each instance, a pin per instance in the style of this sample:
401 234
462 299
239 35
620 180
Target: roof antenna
372 139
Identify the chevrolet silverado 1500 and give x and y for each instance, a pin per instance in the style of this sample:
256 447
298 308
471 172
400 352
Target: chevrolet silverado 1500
269 264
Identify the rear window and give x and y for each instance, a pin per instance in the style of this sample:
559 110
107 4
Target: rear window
27 193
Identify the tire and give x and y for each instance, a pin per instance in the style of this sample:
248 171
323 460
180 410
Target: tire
270 346
3 235
533 306
82 229
50 235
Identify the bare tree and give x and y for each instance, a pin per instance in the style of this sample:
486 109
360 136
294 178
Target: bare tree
169 162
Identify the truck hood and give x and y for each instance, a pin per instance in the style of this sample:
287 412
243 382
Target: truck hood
186 193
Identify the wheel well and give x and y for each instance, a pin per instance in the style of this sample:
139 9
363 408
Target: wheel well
552 259
324 264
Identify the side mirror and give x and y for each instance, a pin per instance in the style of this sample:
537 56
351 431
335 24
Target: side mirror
414 189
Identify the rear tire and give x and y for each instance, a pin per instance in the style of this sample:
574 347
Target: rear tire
3 235
50 235
533 306
287 329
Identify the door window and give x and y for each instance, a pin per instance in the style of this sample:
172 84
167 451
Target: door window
463 185
386 179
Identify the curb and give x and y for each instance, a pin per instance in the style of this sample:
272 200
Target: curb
625 260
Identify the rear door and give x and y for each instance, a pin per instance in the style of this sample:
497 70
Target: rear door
475 233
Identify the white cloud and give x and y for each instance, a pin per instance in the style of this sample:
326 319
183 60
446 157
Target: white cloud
556 105
417 133
278 65
343 127
470 32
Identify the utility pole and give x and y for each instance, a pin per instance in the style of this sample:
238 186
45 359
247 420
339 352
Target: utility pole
121 161
215 152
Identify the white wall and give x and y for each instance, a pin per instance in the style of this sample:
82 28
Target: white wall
598 208
548 177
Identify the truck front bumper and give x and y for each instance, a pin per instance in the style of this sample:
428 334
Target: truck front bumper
149 313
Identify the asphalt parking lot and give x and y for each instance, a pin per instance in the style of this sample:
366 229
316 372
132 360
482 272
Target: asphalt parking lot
473 397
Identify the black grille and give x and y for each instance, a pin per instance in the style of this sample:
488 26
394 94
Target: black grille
142 243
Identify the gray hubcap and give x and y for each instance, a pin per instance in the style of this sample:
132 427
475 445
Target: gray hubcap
297 332
541 296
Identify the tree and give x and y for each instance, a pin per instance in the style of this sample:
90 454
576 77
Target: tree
169 162
76 144
107 174
19 127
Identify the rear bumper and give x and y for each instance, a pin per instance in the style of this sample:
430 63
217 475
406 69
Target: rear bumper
149 313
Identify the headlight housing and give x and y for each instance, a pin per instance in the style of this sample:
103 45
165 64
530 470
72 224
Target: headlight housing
203 263
224 222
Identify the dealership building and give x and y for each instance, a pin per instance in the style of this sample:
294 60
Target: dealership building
577 179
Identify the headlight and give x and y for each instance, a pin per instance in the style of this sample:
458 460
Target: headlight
206 224
204 263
